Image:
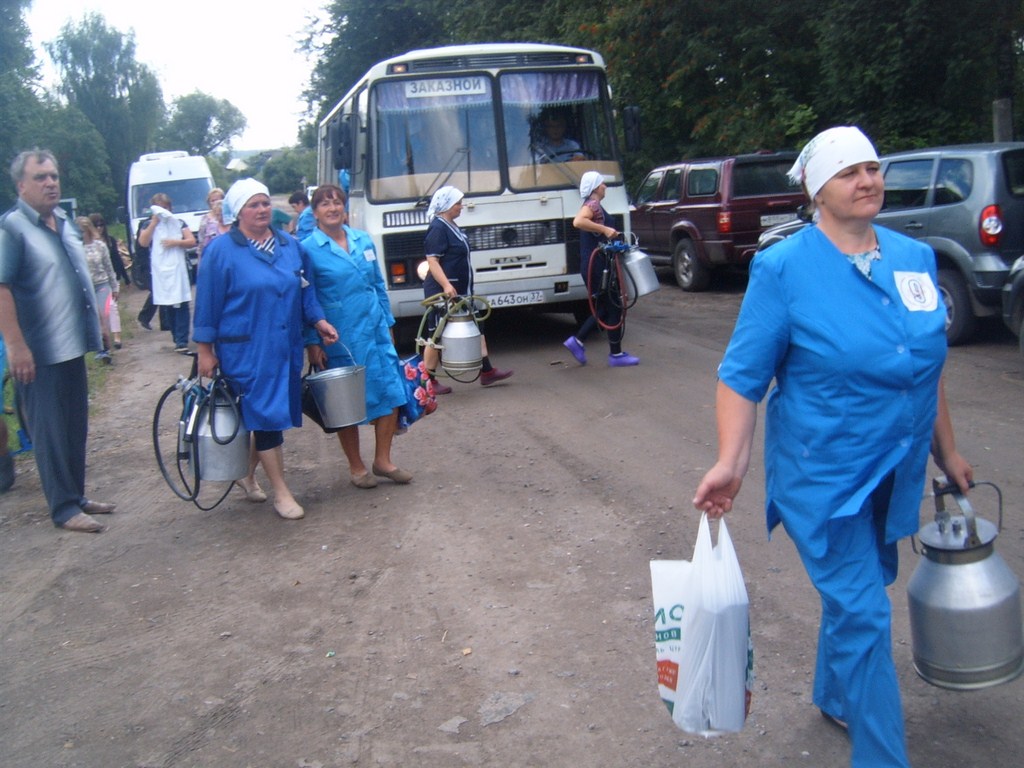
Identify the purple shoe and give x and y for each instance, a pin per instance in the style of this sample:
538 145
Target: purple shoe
622 360
573 345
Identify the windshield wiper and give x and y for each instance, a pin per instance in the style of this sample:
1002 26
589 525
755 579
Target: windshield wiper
425 200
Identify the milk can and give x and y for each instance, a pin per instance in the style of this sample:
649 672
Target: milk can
965 611
461 343
642 278
220 440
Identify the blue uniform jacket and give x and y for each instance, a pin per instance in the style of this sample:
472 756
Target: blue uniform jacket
252 307
856 364
452 248
352 293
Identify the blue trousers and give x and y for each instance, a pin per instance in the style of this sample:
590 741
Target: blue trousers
178 319
56 405
855 677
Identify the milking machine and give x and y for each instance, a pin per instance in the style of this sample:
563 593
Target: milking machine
210 442
626 274
457 335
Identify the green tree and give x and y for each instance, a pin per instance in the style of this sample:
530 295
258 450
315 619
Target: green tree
362 32
18 101
101 77
81 155
909 73
201 123
289 170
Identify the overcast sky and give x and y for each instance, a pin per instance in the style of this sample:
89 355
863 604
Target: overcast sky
240 51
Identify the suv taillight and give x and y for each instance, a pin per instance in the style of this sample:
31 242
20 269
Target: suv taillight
991 226
724 222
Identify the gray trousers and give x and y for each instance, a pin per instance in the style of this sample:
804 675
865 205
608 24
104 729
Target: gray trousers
56 406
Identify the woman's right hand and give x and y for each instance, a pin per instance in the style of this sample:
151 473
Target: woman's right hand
717 490
450 291
207 361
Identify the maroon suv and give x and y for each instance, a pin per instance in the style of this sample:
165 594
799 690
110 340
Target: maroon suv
699 215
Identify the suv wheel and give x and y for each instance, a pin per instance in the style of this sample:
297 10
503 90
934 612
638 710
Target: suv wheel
960 320
690 274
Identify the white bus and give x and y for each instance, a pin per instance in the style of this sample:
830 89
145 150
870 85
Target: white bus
474 116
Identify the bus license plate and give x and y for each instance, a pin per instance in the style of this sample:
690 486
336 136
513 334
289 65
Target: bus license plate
516 299
777 218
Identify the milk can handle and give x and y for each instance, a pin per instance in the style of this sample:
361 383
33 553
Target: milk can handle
972 540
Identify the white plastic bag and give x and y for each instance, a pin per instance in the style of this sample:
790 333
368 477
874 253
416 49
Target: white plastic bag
702 636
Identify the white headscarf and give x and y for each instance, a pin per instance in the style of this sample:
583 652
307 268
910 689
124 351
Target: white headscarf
828 153
240 193
590 181
442 200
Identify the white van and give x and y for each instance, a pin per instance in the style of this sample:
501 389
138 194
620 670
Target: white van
185 178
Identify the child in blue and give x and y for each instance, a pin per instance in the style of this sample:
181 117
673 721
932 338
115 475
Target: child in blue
847 320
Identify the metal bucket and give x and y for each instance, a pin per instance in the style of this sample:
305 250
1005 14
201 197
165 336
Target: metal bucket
340 394
965 612
219 460
642 277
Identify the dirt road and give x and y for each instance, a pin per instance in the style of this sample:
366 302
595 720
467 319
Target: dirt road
495 612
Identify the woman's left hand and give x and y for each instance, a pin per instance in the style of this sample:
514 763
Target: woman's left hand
316 356
327 332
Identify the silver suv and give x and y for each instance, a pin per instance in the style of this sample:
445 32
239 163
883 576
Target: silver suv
967 203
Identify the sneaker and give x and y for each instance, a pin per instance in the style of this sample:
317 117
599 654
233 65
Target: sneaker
181 350
489 377
575 346
105 357
145 324
622 360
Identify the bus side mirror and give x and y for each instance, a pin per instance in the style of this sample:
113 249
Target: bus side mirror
340 139
631 126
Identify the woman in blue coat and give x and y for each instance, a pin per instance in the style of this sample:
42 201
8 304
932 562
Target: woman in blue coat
252 300
846 318
352 293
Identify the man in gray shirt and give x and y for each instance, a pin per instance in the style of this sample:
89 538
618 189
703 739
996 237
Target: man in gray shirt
48 320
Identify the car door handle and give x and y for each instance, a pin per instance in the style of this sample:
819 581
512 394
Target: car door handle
913 225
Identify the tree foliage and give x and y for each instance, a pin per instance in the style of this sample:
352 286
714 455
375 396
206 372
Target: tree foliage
18 101
201 124
732 76
101 77
289 170
361 33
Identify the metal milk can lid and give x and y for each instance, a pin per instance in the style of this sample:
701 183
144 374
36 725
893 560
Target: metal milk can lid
952 534
956 532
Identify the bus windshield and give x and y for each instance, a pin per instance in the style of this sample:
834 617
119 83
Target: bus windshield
552 119
433 132
429 132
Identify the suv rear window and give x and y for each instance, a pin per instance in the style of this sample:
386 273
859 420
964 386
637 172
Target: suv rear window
752 179
906 184
702 182
955 181
1013 163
